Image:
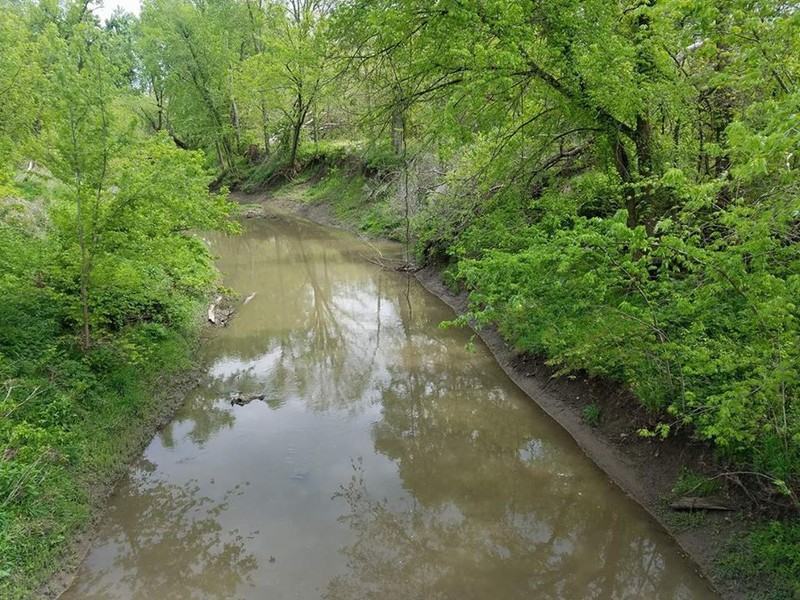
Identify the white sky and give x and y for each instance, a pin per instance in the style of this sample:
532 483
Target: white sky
108 7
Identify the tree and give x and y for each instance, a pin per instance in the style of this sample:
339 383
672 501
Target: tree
190 52
20 78
82 141
290 69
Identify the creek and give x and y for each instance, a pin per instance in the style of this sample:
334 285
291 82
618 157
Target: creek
388 459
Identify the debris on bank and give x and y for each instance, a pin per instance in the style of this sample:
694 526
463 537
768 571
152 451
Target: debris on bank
220 311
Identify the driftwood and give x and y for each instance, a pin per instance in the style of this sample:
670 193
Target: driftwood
393 264
698 503
250 297
390 264
212 310
240 400
219 312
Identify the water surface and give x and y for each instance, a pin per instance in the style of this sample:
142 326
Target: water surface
386 461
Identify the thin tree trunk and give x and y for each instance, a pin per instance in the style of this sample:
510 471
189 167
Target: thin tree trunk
86 340
236 124
398 129
85 329
265 128
295 142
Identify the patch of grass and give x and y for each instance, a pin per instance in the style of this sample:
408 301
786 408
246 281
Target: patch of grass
348 195
257 176
592 414
694 484
766 561
686 519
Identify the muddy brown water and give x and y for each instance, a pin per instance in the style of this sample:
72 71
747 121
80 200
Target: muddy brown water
387 459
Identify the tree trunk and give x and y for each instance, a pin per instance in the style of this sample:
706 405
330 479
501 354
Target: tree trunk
398 129
623 167
265 128
235 123
297 127
85 266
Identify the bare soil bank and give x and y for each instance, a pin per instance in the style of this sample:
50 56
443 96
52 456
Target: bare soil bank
645 469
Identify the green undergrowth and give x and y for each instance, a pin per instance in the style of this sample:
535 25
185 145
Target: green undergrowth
702 334
354 201
76 409
765 561
696 315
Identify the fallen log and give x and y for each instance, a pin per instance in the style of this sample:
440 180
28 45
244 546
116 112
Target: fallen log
698 503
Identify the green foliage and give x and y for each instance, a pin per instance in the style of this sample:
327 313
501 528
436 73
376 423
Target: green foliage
96 232
695 335
766 561
62 441
592 414
20 77
188 54
60 409
616 185
352 203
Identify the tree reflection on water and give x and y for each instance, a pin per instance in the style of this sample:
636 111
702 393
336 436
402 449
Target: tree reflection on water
494 507
169 543
411 551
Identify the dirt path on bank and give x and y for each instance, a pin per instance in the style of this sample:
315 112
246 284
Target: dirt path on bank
645 469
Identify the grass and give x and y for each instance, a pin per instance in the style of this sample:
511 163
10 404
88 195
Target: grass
694 484
765 561
350 199
686 519
341 174
592 414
